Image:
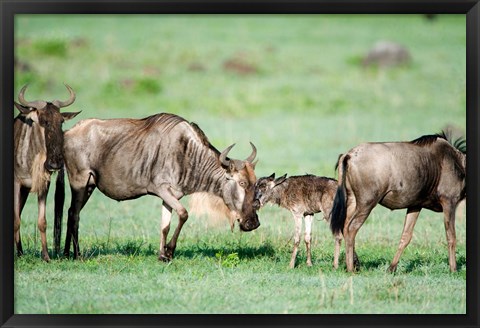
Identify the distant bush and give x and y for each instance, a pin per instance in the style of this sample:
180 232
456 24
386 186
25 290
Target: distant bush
51 47
147 85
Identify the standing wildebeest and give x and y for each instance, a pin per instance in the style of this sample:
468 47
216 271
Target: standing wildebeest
303 196
38 145
161 155
428 172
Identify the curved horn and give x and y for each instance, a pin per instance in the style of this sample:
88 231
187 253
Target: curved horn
70 100
38 104
253 154
223 155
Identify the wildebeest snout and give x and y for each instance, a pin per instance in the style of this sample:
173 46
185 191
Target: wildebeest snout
251 224
51 165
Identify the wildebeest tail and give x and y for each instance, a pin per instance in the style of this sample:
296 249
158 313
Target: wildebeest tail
59 201
339 209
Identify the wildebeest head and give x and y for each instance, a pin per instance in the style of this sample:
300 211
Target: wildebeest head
264 187
239 190
47 115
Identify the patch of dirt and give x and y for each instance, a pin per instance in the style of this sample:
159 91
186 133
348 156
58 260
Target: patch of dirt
196 67
240 65
387 54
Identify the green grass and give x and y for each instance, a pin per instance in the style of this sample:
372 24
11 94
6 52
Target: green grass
295 87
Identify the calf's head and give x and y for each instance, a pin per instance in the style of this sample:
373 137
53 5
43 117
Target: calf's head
47 115
238 191
264 188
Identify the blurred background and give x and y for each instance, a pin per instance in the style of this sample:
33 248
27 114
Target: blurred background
303 88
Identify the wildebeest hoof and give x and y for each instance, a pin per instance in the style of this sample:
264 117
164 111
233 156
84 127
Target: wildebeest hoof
164 258
46 258
392 268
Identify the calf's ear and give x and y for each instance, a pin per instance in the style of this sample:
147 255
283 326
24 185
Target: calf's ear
272 176
281 179
69 115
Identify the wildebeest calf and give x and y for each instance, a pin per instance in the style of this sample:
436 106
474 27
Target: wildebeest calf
304 196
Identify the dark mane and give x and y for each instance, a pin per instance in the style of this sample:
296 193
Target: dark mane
203 137
166 119
459 144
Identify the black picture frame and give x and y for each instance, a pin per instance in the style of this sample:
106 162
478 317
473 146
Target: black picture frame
12 7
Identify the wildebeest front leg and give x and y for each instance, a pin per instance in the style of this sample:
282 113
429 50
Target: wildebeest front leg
164 254
298 229
20 196
308 238
449 220
170 199
42 223
410 220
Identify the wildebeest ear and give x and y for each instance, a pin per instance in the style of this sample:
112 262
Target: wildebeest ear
254 164
69 115
272 176
281 179
23 109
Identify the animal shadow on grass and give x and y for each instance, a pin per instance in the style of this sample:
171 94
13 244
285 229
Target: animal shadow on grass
412 264
244 252
142 248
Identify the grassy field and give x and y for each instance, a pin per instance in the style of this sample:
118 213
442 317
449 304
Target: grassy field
293 85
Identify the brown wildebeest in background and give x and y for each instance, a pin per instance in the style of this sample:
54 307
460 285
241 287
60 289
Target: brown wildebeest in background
303 196
38 151
161 155
428 172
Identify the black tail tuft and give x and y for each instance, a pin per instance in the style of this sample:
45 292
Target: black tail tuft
59 201
339 211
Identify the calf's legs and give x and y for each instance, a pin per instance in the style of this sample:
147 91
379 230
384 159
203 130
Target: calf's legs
308 238
298 229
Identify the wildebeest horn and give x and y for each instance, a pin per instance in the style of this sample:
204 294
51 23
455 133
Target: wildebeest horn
223 156
70 100
253 154
38 104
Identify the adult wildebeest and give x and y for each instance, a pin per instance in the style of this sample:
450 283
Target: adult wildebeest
38 151
428 172
161 155
303 196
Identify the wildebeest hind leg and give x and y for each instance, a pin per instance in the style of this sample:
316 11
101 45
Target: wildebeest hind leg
79 199
19 200
410 220
336 252
171 200
449 220
350 231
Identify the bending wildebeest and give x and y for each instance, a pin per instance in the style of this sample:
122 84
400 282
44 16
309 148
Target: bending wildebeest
38 144
161 155
303 196
428 172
